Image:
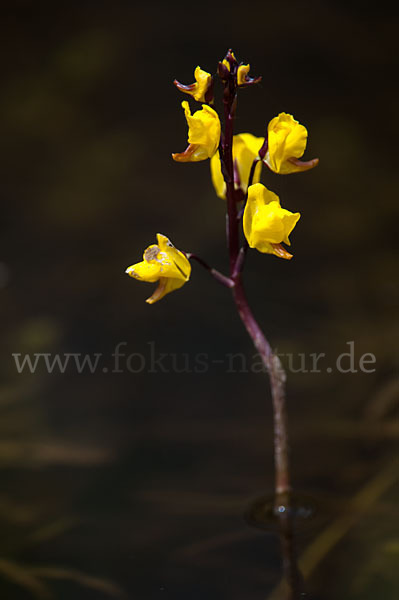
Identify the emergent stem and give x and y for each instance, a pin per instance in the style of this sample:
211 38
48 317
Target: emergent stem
277 384
230 100
270 360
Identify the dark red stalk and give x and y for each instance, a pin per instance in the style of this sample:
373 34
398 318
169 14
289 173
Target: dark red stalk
277 383
226 281
230 101
282 500
237 256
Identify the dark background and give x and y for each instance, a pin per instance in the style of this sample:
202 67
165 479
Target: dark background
143 480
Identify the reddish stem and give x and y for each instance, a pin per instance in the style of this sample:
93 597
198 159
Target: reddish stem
237 256
226 281
230 100
277 384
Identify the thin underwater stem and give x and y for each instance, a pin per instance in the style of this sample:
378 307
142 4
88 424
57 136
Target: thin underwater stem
293 582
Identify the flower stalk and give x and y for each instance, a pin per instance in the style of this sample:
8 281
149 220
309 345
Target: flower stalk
226 281
237 256
230 103
277 383
277 376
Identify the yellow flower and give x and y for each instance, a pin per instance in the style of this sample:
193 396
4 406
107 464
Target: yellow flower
245 150
243 79
286 143
164 263
265 223
203 134
197 90
242 73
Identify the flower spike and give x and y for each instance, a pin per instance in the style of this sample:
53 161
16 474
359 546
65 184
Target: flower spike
202 89
286 144
265 223
203 134
162 262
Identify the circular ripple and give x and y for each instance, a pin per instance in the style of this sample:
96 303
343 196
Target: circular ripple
263 513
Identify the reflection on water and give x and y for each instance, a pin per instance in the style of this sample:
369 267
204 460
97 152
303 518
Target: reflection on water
140 484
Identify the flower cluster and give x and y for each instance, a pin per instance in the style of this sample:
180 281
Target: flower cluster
236 169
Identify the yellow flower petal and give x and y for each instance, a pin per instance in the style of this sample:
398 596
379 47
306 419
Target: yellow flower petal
243 78
203 127
265 223
198 89
286 143
164 263
203 134
174 263
242 73
245 150
217 177
144 271
165 286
